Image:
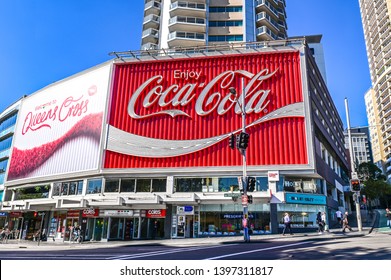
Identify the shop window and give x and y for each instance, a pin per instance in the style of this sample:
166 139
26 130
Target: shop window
225 184
94 186
32 192
159 185
112 185
127 185
67 188
64 189
189 184
143 185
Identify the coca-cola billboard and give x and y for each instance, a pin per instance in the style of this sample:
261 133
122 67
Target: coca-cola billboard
59 128
180 113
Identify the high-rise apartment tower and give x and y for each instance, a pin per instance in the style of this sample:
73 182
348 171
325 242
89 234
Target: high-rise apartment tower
375 17
173 23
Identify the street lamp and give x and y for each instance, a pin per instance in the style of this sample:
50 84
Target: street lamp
242 148
354 174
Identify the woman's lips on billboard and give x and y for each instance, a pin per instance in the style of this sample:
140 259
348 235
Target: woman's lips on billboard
24 162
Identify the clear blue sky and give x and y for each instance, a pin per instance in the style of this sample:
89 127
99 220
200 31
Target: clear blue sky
44 41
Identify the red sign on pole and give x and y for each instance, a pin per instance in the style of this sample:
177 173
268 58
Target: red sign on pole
244 199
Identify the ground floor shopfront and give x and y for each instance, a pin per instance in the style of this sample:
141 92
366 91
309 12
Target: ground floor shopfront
173 221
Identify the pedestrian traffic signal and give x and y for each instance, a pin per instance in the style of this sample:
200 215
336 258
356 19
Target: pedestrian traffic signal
250 199
251 184
242 142
232 140
355 185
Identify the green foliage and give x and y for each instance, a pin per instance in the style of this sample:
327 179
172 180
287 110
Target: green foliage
375 184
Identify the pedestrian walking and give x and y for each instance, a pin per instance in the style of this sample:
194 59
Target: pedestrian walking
345 223
287 224
388 215
323 218
338 214
319 222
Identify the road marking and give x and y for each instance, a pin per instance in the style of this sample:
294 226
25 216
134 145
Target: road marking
258 250
165 252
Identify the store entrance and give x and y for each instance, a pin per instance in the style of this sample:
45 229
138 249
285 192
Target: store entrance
94 229
185 226
70 223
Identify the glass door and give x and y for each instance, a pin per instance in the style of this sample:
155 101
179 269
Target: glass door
98 229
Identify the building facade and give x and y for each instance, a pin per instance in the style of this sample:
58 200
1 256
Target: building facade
377 32
7 127
138 147
181 24
361 145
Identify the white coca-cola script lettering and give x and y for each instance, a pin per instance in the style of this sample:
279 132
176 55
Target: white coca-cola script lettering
207 101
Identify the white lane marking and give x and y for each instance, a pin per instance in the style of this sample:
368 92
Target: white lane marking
257 250
165 252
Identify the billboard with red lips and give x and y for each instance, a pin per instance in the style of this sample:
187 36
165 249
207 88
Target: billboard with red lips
179 113
59 128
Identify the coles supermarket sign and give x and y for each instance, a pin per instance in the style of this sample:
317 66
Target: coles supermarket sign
59 128
180 113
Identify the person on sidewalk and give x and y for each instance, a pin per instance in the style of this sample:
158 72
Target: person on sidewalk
320 223
345 223
323 218
338 214
287 224
388 215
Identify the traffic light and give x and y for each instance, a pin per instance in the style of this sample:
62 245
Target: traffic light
250 199
232 141
251 184
242 142
355 185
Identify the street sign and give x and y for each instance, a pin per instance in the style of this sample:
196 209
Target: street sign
240 182
232 194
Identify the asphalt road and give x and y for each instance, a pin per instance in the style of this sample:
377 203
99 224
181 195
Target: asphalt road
374 246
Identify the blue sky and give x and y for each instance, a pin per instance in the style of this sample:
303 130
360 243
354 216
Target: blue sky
44 41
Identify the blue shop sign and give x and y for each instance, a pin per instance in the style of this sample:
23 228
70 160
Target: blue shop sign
299 198
3 214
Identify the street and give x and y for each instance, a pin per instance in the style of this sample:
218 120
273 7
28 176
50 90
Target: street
331 246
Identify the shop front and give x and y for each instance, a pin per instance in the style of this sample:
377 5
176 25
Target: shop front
185 222
226 219
3 219
303 209
57 225
71 221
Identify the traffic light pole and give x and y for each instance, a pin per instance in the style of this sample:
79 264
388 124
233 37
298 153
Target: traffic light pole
244 177
354 174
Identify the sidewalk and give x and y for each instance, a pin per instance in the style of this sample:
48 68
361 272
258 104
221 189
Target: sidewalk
49 246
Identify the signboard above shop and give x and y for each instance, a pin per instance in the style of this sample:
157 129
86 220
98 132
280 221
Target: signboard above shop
185 210
298 198
156 213
118 213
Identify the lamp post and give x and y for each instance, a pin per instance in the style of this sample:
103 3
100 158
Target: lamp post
242 107
354 174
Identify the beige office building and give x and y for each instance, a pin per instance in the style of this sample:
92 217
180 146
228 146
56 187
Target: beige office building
178 24
377 32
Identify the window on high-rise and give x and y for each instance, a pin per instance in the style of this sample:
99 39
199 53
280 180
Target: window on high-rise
229 9
226 23
225 38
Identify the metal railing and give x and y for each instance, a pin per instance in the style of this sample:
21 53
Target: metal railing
219 48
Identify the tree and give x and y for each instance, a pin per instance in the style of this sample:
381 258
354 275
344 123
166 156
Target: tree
375 186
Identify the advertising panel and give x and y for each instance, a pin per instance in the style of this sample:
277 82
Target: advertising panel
180 113
59 128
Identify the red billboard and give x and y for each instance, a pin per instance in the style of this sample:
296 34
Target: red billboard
180 113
